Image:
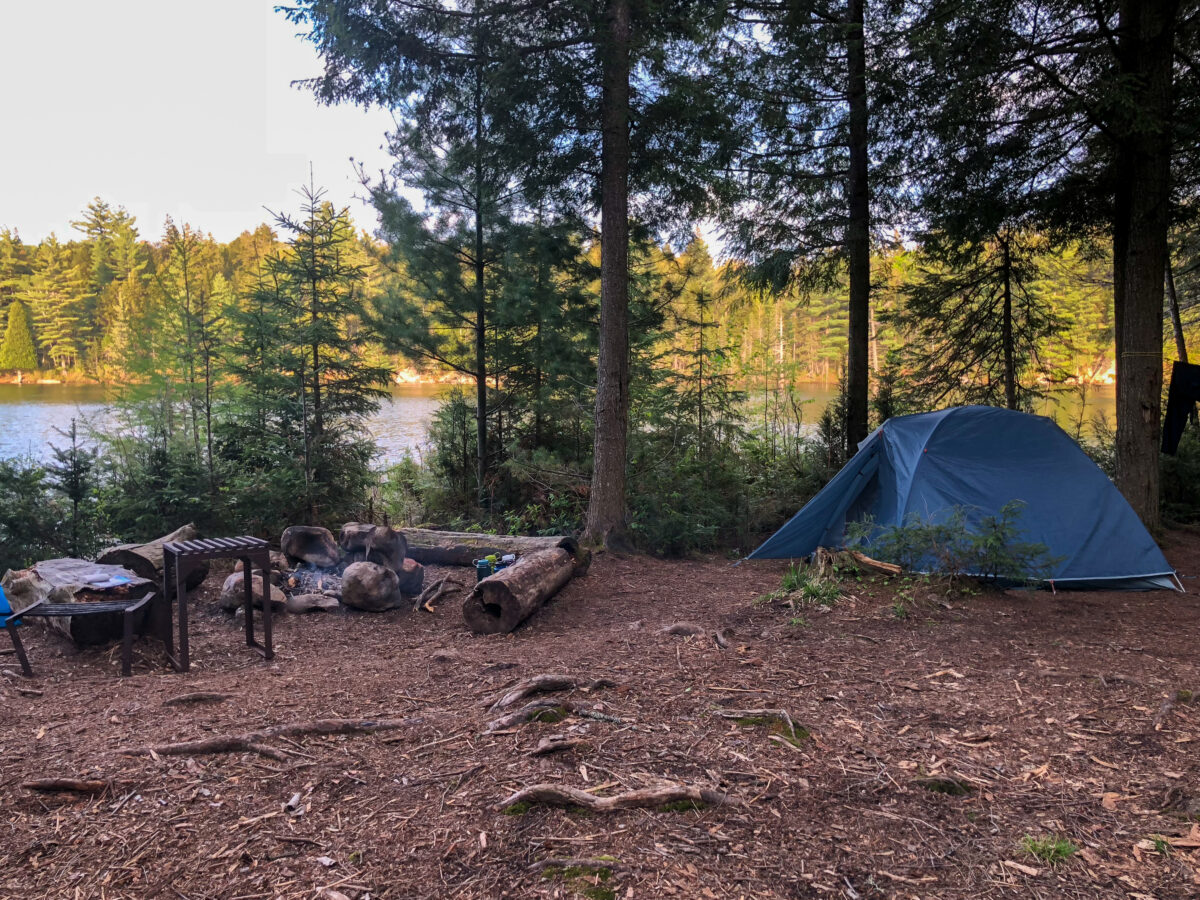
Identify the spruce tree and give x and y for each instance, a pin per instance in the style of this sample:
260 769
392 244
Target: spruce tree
18 351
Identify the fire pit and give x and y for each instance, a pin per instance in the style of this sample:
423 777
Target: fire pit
310 579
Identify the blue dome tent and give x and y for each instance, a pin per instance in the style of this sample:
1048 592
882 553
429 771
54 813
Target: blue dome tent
979 458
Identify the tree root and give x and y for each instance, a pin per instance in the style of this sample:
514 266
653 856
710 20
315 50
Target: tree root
67 785
544 710
645 798
197 697
575 862
544 684
252 741
556 743
684 629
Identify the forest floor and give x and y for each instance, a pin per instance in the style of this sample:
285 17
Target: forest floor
1059 716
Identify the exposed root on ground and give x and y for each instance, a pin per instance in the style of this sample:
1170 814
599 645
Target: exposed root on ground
545 684
683 795
197 697
67 785
684 629
252 741
556 743
575 862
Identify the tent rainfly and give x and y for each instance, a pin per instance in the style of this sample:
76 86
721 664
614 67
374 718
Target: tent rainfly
979 458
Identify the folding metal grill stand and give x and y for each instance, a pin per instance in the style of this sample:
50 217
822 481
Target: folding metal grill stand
180 557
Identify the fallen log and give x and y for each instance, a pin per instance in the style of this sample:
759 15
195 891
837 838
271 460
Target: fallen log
501 602
457 548
146 560
673 796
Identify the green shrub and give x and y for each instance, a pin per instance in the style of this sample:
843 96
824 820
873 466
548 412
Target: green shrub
956 544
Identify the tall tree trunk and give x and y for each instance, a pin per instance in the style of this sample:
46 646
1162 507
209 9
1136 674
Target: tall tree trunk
1006 328
858 232
606 505
481 442
1147 31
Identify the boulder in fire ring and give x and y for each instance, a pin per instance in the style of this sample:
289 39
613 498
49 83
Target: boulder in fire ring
412 577
233 593
310 544
306 603
371 587
374 543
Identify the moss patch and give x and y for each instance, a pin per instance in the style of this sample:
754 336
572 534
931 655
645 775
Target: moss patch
517 809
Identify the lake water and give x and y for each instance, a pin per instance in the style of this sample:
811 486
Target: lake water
31 413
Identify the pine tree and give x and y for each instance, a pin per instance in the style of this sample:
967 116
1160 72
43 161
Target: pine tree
18 351
318 298
57 296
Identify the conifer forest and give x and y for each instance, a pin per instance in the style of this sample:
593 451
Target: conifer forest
625 232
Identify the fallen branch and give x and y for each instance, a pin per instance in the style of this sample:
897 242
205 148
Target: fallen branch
575 862
645 798
251 741
67 785
434 592
197 697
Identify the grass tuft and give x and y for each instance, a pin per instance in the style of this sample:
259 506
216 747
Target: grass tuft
1050 850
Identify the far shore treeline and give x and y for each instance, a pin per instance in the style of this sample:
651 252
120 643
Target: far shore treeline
921 203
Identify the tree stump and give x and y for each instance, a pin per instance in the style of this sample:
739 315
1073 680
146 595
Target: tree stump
146 560
501 602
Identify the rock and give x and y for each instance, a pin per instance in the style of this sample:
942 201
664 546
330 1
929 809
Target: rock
233 593
303 603
310 544
370 586
412 577
373 543
279 567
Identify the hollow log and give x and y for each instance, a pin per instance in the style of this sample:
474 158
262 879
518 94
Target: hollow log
501 602
457 548
146 560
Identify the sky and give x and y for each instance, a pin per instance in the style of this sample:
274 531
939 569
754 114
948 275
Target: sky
172 108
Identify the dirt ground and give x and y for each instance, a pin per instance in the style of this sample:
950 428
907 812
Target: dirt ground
1048 710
